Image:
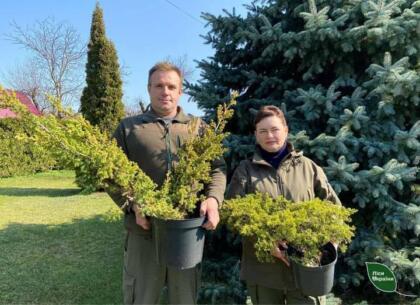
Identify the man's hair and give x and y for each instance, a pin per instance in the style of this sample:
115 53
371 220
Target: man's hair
268 111
165 66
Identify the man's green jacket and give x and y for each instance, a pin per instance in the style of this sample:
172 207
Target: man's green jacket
153 144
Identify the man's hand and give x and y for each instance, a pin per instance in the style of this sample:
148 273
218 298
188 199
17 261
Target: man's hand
140 219
210 208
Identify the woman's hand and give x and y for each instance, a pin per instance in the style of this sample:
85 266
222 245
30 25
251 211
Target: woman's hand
279 251
140 219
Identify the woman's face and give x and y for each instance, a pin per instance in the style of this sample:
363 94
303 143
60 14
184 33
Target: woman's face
271 134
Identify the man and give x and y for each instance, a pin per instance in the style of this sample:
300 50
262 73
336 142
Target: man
152 140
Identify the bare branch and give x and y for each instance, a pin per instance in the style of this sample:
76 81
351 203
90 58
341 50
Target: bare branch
58 53
136 108
182 63
26 78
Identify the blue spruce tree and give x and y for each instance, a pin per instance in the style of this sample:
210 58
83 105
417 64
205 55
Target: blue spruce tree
346 74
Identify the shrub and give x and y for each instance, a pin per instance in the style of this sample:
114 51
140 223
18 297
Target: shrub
306 225
20 157
97 160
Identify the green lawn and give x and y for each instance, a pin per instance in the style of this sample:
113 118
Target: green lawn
58 246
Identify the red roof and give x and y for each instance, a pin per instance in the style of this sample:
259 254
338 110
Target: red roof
24 99
7 113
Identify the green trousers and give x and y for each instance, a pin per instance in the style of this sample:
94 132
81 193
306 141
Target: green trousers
144 278
261 295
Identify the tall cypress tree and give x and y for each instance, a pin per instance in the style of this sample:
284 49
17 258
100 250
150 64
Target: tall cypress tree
101 101
346 74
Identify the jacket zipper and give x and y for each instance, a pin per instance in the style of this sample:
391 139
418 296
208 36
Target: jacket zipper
279 182
168 145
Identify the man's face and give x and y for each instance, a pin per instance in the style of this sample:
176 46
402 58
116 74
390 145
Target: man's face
165 89
270 134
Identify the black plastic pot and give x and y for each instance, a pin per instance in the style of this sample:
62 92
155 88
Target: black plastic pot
179 243
316 281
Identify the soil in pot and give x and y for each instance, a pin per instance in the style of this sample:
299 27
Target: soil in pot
316 281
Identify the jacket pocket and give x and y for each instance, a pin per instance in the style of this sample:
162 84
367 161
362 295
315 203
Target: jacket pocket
128 288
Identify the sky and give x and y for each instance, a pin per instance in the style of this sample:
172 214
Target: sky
143 31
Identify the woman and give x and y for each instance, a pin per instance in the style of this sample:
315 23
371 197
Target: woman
277 169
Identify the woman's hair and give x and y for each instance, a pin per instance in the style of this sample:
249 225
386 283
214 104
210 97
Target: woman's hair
268 111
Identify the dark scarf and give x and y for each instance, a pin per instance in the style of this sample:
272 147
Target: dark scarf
274 158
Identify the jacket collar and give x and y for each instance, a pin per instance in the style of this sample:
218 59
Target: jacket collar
293 154
151 116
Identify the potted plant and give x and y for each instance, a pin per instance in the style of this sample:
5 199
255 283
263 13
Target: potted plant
180 238
98 160
308 227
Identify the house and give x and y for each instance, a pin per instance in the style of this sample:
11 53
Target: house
24 99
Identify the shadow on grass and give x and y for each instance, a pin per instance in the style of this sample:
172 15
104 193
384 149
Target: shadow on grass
73 263
47 192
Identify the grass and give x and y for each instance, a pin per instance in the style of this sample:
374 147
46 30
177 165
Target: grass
58 246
